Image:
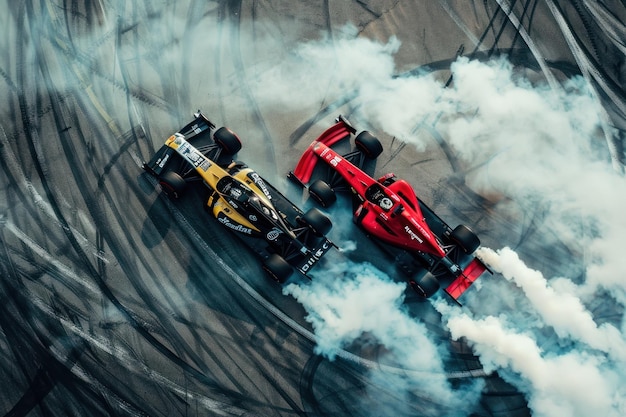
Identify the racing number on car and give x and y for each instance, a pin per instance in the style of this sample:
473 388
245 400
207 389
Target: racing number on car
335 161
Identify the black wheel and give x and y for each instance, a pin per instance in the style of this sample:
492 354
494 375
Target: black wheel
368 144
172 184
318 221
465 238
227 140
277 268
426 286
322 193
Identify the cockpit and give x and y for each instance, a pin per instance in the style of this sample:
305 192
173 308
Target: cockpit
230 187
376 194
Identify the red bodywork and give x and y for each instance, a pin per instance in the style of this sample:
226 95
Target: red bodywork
390 213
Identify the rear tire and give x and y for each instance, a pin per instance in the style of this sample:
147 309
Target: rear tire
368 144
427 286
465 238
227 140
277 268
318 221
172 184
322 193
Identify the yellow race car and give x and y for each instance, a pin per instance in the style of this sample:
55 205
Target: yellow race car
284 236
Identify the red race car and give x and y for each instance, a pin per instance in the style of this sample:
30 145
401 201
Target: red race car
424 247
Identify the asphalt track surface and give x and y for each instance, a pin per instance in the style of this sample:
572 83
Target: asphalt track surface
115 300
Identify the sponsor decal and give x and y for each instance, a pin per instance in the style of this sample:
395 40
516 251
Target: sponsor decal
204 165
314 257
335 161
234 226
252 218
256 178
273 234
318 254
419 227
161 162
386 203
235 192
191 154
412 234
184 148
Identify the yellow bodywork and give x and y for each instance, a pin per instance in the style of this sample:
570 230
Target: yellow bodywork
211 173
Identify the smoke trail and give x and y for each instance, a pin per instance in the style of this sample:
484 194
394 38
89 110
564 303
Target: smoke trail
534 147
574 384
348 300
558 307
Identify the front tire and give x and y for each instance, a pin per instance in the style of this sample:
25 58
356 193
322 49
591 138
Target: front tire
172 184
427 286
465 238
317 221
277 268
227 140
368 144
321 192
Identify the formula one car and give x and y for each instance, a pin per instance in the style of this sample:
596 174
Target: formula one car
240 199
424 247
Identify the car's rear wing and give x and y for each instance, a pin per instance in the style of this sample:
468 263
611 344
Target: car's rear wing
470 273
198 127
314 256
304 169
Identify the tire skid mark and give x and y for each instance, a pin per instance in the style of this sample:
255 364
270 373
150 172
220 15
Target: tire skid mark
132 319
329 109
609 24
515 21
19 183
66 271
129 269
230 12
131 364
62 44
51 369
458 20
13 168
592 72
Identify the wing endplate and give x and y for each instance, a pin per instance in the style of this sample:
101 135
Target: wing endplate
471 272
329 137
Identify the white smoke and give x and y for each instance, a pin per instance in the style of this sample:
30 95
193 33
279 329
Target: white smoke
532 145
348 300
557 305
572 384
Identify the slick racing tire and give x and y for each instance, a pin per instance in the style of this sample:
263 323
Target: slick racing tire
427 286
277 268
172 184
465 238
321 192
227 140
318 221
368 144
